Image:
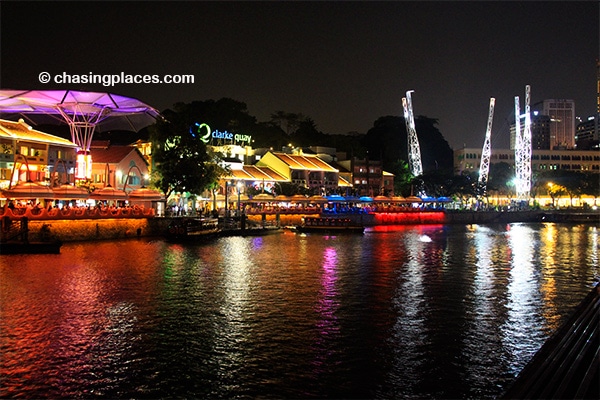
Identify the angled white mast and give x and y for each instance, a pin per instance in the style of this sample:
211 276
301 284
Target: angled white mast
414 151
523 148
484 167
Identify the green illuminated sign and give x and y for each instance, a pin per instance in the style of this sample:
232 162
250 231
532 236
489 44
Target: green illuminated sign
206 137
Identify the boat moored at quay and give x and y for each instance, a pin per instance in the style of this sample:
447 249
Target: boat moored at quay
329 225
192 229
83 223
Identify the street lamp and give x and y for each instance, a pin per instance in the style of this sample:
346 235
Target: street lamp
239 187
226 205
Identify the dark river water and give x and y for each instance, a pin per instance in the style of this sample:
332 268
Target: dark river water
404 312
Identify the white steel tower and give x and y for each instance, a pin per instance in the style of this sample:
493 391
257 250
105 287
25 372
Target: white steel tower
523 148
484 167
414 151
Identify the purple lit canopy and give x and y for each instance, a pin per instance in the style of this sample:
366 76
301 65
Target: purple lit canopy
82 111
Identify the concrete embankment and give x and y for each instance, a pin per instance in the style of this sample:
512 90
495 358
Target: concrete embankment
491 217
91 229
100 229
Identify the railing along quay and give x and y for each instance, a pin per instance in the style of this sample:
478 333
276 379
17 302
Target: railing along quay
566 366
76 213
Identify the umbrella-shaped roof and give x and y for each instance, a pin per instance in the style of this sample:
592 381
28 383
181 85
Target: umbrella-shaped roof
108 193
109 111
414 199
381 199
80 110
262 197
317 199
146 194
298 198
68 192
335 198
28 190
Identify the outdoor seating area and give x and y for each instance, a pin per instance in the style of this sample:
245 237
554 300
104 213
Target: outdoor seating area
35 212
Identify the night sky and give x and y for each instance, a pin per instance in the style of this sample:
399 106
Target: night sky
344 64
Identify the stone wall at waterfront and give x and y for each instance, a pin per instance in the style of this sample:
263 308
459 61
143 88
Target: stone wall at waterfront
90 229
490 217
121 228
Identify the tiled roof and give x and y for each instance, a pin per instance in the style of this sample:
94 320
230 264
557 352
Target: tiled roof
343 182
100 144
305 162
111 155
20 130
252 172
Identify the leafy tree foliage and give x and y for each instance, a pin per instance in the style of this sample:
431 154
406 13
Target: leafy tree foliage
223 114
500 178
403 179
572 183
182 161
307 134
388 141
268 135
462 186
288 122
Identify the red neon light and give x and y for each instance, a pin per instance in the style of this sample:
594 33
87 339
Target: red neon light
410 218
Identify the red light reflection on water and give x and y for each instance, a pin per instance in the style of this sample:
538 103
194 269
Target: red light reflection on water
58 313
327 324
328 280
406 228
410 218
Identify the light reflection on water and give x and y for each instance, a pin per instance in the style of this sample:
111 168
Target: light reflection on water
380 315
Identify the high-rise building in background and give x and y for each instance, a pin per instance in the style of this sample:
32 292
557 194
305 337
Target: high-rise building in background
586 136
540 132
562 122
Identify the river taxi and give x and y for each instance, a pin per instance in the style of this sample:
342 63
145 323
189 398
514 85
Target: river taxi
329 225
192 228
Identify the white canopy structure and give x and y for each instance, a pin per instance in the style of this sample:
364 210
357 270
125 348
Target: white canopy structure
83 112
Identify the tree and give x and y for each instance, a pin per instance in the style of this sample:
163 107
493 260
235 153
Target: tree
307 134
403 179
572 183
182 161
387 141
555 191
265 134
500 177
463 186
288 122
223 114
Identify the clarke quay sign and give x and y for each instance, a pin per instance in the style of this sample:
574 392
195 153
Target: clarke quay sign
206 135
